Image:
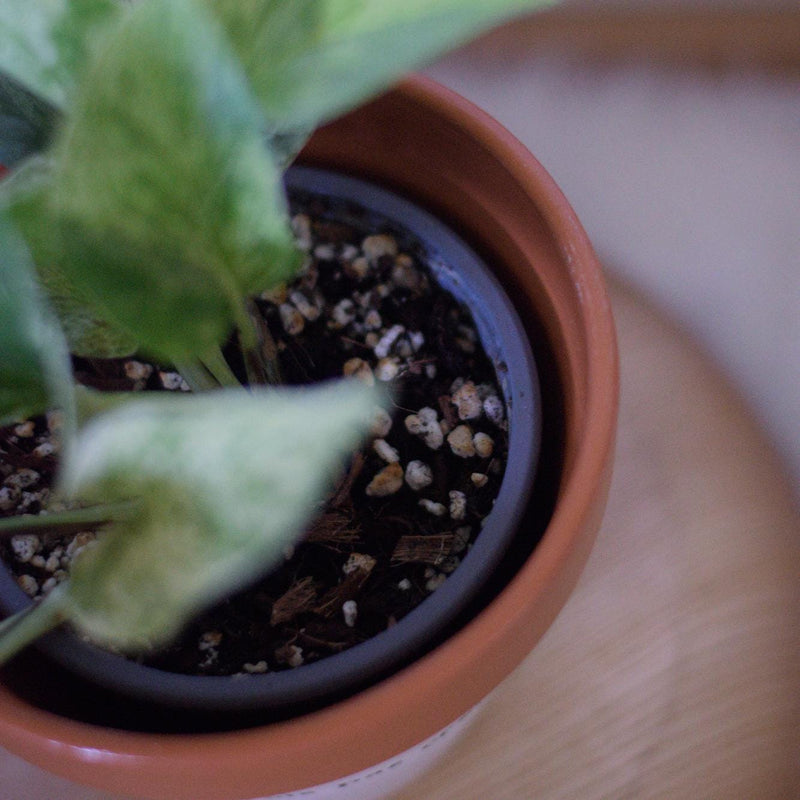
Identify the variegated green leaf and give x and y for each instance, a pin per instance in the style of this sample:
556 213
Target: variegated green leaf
35 373
44 43
25 194
224 481
309 60
171 210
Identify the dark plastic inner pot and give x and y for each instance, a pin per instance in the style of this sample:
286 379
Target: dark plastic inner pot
459 270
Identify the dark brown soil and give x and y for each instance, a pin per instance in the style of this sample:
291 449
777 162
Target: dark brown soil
376 552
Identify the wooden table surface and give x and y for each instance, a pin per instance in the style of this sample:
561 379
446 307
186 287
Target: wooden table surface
674 670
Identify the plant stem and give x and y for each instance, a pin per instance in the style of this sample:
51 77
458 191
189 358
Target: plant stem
19 630
246 325
63 521
65 399
261 360
196 375
216 364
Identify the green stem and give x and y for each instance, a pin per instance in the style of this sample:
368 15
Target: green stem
65 521
196 375
216 364
261 360
246 326
24 627
66 400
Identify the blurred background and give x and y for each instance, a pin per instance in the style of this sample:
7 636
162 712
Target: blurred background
673 127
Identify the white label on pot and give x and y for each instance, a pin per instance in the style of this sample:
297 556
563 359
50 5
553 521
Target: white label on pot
391 775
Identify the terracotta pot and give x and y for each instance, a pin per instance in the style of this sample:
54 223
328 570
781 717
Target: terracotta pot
435 148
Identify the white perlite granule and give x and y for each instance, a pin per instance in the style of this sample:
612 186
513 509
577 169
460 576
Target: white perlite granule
418 475
350 612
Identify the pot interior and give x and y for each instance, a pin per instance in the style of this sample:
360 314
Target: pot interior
218 702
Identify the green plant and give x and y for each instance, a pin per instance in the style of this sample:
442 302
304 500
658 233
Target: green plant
144 209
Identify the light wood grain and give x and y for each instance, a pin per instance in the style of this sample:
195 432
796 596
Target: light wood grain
674 670
765 37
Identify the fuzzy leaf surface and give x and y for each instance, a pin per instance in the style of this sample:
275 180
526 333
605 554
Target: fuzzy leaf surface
34 364
25 193
224 481
45 43
310 60
171 210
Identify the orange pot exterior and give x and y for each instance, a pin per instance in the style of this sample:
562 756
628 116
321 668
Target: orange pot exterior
438 149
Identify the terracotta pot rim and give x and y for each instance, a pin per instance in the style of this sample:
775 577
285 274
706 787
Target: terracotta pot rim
443 671
602 386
